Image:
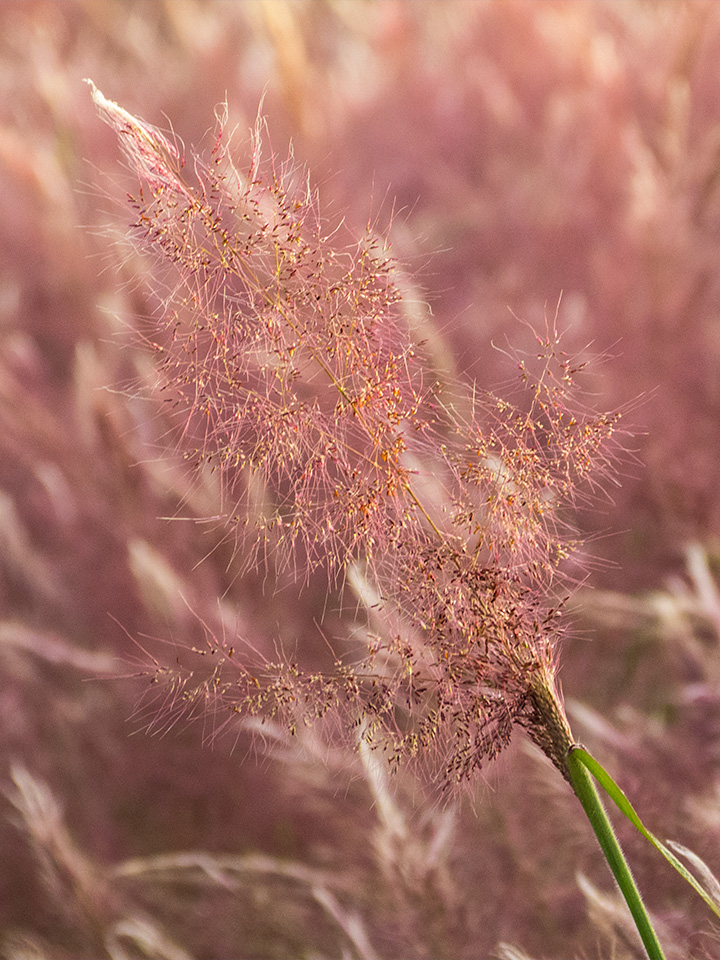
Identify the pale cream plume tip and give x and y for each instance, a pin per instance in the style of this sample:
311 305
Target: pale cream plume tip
110 106
96 94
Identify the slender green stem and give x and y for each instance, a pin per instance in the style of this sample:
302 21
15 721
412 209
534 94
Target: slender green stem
588 796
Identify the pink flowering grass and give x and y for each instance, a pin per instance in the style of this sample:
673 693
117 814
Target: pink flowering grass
288 364
289 369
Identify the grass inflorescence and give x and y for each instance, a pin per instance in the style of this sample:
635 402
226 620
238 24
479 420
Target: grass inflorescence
289 368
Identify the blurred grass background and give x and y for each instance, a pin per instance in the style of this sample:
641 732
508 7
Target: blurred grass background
518 151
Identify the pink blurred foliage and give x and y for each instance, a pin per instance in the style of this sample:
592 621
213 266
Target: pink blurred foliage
531 149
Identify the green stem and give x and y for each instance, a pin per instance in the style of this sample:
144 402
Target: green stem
588 796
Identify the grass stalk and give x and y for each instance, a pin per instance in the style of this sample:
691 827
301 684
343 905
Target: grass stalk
589 797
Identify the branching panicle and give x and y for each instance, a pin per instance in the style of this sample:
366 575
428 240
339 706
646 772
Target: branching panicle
287 362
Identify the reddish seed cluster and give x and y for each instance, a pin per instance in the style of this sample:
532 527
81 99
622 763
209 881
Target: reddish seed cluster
290 370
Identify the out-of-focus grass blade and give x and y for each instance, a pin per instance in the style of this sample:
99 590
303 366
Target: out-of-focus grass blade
709 891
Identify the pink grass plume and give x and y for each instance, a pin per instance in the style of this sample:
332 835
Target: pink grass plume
287 362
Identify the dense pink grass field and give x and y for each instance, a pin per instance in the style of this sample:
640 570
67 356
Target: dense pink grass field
524 159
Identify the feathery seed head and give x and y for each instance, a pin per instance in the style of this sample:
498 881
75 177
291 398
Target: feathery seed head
288 365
